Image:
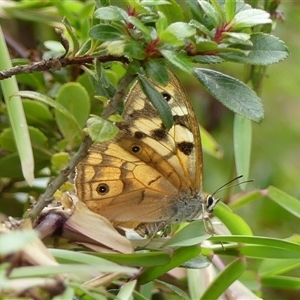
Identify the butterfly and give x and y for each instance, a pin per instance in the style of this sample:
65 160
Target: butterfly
148 177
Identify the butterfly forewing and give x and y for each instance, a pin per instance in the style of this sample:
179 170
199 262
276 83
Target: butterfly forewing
181 145
141 176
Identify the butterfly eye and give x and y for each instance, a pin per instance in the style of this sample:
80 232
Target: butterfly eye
102 189
135 149
211 202
167 96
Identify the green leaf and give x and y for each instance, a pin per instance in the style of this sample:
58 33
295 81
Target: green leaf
282 282
179 60
138 24
47 100
172 11
111 13
229 10
201 27
210 12
233 93
114 47
237 38
150 259
74 269
257 251
158 101
59 161
135 50
249 18
156 71
175 289
70 257
161 23
242 135
168 38
134 67
155 2
126 290
224 279
38 114
105 32
209 145
234 223
245 199
75 41
179 256
285 200
204 45
38 139
266 49
181 30
198 262
260 241
6 170
193 233
74 97
270 267
16 115
195 10
101 130
207 59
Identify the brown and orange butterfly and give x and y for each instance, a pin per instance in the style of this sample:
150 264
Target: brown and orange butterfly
148 177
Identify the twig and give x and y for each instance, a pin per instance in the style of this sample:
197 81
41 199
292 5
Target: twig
57 64
47 197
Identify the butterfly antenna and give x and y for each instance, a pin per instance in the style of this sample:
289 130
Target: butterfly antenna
229 185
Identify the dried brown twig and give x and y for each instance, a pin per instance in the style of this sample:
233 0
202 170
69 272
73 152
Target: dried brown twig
56 64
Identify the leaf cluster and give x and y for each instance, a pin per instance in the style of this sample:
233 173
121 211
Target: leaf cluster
140 40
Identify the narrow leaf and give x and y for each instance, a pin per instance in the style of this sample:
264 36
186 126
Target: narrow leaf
192 234
16 115
126 290
210 12
175 289
209 145
282 282
234 223
179 256
229 10
242 135
224 279
158 101
157 72
285 200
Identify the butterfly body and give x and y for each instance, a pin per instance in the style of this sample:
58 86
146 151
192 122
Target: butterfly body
148 176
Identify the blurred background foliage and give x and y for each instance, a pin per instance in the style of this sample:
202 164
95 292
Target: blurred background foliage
275 158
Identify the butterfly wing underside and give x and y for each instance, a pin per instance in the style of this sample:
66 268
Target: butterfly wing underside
137 177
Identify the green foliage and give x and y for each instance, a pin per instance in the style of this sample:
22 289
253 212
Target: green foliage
102 43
